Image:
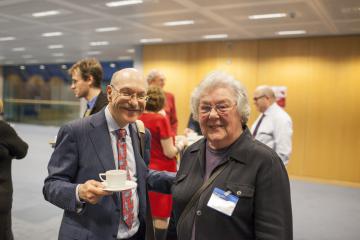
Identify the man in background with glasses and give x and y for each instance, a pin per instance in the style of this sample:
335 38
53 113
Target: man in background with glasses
105 141
273 126
86 76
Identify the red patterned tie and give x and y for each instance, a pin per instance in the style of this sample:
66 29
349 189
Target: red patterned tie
126 196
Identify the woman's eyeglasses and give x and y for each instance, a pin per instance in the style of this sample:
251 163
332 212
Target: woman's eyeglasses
220 108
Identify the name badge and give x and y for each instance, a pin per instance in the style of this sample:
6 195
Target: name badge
222 201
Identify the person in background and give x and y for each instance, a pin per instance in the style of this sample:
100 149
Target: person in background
192 127
163 156
156 78
86 77
273 126
96 144
11 146
229 186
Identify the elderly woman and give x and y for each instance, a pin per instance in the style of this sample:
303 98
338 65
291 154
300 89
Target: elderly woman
229 186
11 146
163 155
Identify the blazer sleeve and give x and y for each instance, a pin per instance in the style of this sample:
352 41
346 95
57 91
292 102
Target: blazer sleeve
273 218
59 188
16 147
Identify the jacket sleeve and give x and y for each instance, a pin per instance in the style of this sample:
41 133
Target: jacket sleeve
273 215
12 142
59 188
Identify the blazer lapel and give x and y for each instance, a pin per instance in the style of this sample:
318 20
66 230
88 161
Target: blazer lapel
100 138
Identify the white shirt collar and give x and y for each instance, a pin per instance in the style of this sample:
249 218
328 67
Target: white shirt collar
270 109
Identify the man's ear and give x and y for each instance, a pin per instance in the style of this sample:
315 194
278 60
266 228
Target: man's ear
109 91
90 81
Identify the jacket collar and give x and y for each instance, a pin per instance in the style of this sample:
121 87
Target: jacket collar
238 151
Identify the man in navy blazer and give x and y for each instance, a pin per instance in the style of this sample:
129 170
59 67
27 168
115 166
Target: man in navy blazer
87 147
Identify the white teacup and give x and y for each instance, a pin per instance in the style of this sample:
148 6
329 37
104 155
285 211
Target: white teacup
114 178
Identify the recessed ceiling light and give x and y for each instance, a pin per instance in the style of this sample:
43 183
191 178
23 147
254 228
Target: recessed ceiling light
124 57
56 46
349 10
131 50
52 34
107 29
123 3
27 56
46 13
7 38
151 40
32 61
60 60
18 49
178 23
294 32
93 53
58 54
100 43
215 36
265 16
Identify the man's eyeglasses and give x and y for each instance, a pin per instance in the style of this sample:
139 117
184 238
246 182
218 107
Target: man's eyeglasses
259 97
221 108
128 96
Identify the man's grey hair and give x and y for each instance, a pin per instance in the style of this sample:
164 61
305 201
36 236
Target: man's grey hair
221 79
266 90
154 73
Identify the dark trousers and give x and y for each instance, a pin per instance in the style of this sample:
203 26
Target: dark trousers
5 226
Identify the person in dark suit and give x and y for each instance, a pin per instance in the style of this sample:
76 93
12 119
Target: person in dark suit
87 147
11 146
86 77
229 186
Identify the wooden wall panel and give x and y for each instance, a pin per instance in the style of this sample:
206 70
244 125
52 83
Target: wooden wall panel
323 80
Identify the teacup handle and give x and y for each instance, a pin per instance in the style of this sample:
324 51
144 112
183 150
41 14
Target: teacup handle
101 175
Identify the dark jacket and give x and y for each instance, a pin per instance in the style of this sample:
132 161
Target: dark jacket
11 146
100 102
255 174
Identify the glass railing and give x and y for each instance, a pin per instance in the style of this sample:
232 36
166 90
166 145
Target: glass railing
42 112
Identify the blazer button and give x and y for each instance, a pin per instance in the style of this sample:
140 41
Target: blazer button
238 193
198 212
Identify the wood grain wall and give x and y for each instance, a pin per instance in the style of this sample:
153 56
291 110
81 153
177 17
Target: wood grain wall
323 80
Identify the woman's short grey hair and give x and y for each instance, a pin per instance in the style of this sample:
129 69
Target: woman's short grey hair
221 79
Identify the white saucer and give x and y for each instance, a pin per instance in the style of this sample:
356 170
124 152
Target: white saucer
128 185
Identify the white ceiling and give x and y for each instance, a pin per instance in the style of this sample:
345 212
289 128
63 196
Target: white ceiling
78 20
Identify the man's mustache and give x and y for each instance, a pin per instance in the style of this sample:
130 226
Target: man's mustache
130 108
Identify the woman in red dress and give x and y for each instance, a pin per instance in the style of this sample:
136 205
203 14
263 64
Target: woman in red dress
163 156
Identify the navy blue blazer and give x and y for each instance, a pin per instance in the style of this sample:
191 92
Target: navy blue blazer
82 151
